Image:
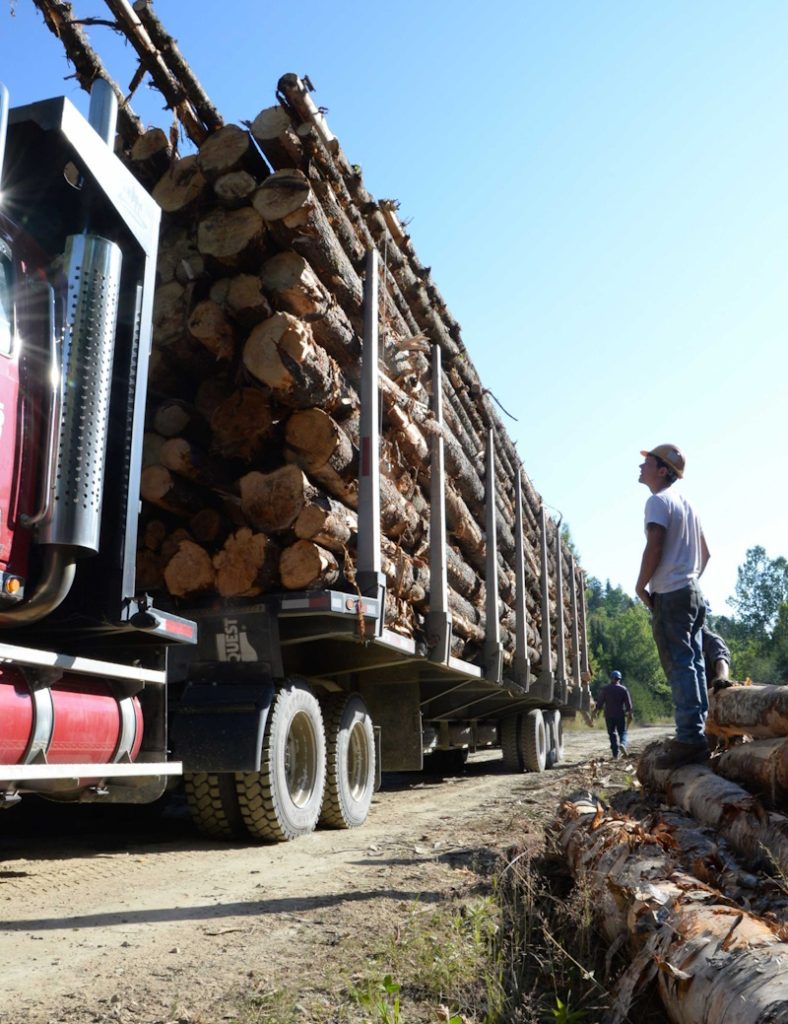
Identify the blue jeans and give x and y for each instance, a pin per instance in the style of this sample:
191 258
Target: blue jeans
617 731
676 624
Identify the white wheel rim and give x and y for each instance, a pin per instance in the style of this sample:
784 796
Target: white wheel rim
301 759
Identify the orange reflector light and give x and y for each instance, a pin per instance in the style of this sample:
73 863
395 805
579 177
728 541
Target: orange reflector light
13 585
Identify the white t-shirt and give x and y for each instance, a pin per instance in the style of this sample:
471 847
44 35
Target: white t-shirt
681 552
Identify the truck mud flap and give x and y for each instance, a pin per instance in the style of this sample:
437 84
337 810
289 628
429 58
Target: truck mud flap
220 728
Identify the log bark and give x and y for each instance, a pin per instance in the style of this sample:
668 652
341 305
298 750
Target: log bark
713 963
166 490
209 326
190 461
757 711
328 523
759 836
760 767
273 130
150 156
243 298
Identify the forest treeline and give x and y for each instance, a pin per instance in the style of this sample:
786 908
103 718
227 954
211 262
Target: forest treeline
756 632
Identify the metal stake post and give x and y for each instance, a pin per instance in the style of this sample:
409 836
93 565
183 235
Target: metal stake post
371 581
544 685
574 696
560 644
493 648
522 663
439 619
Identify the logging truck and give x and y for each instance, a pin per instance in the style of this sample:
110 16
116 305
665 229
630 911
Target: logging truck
275 712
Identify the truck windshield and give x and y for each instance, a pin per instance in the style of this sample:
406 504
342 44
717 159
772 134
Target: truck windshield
5 304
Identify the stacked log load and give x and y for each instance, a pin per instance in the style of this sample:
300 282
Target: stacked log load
250 481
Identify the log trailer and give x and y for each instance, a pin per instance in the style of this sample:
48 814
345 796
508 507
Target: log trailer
278 713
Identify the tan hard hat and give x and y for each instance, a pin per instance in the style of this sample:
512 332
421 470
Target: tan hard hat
670 455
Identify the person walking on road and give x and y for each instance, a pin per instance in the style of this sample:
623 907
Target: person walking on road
674 558
616 703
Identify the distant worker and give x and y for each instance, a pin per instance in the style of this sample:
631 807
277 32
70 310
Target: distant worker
616 703
674 558
716 659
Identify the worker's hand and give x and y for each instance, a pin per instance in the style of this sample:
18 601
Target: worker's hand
720 684
645 597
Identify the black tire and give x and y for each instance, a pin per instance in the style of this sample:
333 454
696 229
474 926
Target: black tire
511 746
213 804
554 727
350 762
533 736
282 801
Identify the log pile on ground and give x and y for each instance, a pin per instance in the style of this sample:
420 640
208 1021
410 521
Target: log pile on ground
690 875
254 410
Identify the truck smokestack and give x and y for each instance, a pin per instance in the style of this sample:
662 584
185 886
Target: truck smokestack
103 110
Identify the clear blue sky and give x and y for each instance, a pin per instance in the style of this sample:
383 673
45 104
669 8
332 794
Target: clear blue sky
600 189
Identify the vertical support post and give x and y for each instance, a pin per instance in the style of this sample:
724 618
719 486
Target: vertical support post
371 580
103 110
3 127
544 685
574 696
560 643
493 648
439 619
522 663
585 669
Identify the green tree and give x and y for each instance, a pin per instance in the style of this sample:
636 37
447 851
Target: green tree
761 588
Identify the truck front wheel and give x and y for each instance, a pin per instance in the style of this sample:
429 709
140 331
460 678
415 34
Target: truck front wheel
282 801
350 774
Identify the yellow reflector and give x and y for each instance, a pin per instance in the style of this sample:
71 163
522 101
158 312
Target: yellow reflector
12 585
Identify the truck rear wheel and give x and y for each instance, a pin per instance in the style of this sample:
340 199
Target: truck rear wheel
554 728
213 804
534 741
510 743
282 801
350 762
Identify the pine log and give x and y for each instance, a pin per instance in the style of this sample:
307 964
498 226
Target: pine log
170 310
295 218
760 767
328 523
757 711
318 443
211 392
151 448
149 573
150 156
226 150
190 571
243 298
188 460
714 963
296 289
179 259
232 239
209 527
760 837
209 326
247 564
305 566
176 418
165 489
281 353
273 501
242 424
273 130
235 189
153 534
181 187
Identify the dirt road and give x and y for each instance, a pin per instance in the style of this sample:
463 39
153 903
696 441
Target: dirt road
123 917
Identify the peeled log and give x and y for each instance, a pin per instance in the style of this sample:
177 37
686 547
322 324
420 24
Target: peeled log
757 711
305 565
759 836
761 767
713 963
246 565
272 502
190 571
281 353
